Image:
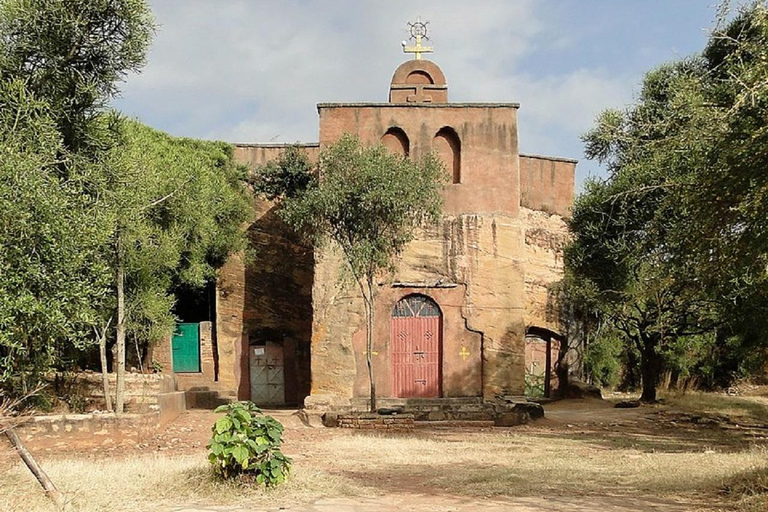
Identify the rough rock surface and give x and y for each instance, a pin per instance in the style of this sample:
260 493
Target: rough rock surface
545 237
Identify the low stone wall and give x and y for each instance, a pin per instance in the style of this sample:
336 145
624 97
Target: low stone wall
503 411
102 424
376 421
141 390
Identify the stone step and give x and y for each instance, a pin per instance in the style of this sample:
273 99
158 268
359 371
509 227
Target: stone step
420 403
206 399
196 382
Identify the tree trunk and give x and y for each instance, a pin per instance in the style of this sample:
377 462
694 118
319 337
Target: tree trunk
120 337
104 373
369 340
649 368
50 489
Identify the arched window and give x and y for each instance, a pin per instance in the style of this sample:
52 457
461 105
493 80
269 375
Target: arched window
416 306
448 147
396 141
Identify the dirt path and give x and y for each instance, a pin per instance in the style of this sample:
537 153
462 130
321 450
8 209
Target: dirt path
433 503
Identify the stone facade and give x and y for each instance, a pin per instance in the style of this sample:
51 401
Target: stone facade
489 265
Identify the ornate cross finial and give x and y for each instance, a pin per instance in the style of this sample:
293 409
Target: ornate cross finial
418 32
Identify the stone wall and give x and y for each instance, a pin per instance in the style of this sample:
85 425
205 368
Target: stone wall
545 237
141 389
472 266
65 426
376 422
264 295
546 183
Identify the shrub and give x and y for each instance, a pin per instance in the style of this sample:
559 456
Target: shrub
246 442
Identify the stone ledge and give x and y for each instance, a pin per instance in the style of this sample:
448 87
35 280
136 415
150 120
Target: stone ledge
503 411
100 424
368 421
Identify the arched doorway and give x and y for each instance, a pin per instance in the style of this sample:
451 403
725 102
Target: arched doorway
542 353
416 344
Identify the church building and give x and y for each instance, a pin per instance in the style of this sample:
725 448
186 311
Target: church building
470 310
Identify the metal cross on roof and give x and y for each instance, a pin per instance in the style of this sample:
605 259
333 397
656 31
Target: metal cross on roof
418 32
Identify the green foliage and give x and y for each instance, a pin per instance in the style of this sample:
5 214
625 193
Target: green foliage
534 383
73 53
673 245
175 207
287 176
368 201
245 442
50 273
84 192
602 359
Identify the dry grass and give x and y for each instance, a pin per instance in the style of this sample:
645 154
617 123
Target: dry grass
500 463
635 460
526 464
753 408
156 482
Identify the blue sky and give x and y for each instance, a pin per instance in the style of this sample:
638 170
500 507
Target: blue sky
253 70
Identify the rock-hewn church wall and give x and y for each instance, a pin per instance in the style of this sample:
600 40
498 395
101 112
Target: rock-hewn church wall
546 183
472 266
545 237
264 294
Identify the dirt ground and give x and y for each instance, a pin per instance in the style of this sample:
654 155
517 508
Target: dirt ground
584 455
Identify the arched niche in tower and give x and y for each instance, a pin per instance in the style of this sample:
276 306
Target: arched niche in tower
396 141
448 147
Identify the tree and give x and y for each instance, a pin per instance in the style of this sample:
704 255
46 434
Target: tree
367 202
50 273
114 215
66 57
176 207
672 243
73 54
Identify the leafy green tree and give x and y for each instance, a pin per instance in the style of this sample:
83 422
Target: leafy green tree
68 56
672 241
73 54
50 274
114 215
176 208
368 203
287 176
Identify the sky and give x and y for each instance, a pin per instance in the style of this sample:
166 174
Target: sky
253 70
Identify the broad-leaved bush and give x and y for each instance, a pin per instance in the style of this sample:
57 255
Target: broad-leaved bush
246 442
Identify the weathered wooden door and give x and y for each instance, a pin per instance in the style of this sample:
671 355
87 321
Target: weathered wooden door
267 374
186 348
416 347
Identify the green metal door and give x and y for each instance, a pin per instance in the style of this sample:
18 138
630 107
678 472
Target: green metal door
186 348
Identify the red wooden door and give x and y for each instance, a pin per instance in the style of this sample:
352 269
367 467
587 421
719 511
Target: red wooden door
416 347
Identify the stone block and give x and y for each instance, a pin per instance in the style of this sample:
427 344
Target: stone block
172 405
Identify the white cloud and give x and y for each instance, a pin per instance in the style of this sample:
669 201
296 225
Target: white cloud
252 71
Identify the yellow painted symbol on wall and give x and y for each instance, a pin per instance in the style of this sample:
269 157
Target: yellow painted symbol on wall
464 353
365 353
